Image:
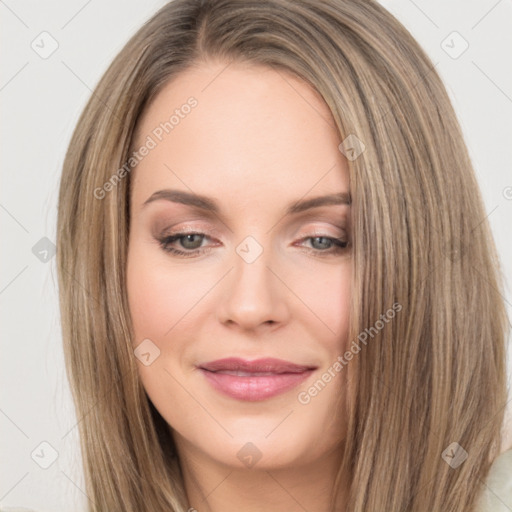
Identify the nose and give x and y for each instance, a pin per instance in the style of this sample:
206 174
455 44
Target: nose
253 297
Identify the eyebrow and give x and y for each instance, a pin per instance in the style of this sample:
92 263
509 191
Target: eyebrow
210 205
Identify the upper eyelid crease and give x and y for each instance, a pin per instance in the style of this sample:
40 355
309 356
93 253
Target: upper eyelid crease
208 204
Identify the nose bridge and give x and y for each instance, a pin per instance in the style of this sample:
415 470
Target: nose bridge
251 275
252 296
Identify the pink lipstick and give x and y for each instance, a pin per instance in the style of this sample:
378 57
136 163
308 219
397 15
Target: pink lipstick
254 380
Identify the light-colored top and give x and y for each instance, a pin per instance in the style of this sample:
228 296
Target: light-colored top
497 496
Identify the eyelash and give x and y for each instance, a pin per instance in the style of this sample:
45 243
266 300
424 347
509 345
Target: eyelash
339 245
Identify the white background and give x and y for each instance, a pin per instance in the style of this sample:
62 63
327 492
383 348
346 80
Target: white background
41 100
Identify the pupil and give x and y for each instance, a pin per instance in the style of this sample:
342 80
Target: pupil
189 242
326 243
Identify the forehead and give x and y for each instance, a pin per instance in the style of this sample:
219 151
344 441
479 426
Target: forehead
238 130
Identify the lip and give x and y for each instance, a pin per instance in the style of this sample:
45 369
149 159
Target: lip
259 379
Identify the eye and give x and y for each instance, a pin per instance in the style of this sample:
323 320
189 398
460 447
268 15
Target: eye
326 244
189 245
190 242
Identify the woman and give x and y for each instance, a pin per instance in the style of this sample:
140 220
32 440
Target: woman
278 286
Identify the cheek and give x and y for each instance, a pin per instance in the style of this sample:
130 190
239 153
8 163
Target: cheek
158 296
325 293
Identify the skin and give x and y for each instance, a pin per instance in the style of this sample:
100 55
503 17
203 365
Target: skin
257 141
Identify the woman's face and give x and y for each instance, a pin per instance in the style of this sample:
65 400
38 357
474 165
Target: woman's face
233 157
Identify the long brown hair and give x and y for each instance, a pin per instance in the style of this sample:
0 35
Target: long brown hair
433 376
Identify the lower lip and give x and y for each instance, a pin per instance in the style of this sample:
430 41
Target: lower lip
255 388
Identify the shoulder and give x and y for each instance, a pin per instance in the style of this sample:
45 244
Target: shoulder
497 494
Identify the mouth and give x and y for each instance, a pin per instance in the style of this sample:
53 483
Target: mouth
254 380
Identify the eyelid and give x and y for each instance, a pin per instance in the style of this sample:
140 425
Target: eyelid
184 228
324 230
301 231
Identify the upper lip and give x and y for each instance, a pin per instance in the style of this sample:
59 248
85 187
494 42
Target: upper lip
270 365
